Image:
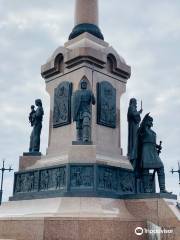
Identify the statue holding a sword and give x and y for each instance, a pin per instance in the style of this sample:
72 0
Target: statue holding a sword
146 155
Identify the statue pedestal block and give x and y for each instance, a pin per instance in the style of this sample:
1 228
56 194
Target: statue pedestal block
87 218
27 161
82 154
86 153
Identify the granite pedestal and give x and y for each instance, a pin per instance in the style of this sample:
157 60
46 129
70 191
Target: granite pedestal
87 218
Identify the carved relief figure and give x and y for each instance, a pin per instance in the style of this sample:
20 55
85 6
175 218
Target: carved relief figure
108 178
45 180
82 176
18 187
126 182
23 183
78 177
82 111
62 104
30 182
106 104
60 178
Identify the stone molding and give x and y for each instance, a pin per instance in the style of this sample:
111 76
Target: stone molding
85 49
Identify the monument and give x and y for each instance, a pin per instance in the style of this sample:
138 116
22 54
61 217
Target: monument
84 187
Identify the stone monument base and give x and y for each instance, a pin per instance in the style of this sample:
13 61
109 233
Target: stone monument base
88 218
82 172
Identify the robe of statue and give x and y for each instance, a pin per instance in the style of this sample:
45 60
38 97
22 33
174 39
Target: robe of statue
36 132
133 125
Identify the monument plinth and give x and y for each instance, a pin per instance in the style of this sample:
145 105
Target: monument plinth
84 187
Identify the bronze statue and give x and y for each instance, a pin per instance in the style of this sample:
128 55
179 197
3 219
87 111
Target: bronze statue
134 118
36 122
82 111
146 154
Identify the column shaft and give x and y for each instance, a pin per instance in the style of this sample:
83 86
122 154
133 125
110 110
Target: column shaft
86 11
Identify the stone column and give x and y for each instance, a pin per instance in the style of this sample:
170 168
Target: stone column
86 19
86 11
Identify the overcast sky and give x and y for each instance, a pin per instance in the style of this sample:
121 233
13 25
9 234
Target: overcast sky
145 33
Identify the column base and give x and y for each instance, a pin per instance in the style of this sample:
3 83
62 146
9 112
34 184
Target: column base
86 27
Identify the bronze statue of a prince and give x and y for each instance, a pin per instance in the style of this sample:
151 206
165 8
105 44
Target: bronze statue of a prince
82 102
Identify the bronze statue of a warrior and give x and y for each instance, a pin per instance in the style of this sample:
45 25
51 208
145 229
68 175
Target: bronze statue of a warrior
82 101
145 154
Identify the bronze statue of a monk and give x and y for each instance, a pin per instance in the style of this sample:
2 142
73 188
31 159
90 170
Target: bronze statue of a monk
134 118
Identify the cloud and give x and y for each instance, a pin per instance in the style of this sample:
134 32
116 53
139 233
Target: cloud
145 33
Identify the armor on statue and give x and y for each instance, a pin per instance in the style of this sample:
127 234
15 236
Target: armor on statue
82 112
145 155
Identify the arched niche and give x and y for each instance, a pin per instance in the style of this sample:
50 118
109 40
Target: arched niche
59 63
111 63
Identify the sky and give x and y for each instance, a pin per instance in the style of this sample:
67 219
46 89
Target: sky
145 33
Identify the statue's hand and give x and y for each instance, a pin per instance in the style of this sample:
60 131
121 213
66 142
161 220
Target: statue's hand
141 111
159 147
